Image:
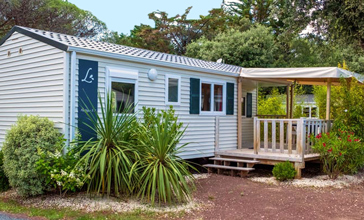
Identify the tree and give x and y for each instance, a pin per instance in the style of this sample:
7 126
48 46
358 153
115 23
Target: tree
342 19
252 48
257 11
181 31
272 105
142 36
51 15
173 34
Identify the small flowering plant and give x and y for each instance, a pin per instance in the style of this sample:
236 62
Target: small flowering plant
341 152
60 170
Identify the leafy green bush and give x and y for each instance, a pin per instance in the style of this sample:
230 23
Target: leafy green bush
340 152
163 175
111 156
347 106
284 171
60 170
22 142
4 181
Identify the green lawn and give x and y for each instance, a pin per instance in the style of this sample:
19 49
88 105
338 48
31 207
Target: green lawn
53 214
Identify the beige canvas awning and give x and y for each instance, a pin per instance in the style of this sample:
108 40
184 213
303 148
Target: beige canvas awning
305 76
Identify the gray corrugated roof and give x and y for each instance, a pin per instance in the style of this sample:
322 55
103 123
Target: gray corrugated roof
59 40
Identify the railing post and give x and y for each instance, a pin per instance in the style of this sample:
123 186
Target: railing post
256 135
303 138
266 135
299 137
289 137
274 141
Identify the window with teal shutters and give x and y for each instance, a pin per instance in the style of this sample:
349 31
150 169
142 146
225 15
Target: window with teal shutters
194 96
230 98
249 105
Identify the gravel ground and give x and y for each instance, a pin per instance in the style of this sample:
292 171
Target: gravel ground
317 181
240 198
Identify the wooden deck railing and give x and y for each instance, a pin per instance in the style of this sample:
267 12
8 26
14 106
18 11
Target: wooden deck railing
287 136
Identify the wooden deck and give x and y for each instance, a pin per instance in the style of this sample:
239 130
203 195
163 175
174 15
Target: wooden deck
266 157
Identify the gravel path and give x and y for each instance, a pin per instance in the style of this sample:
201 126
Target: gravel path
239 198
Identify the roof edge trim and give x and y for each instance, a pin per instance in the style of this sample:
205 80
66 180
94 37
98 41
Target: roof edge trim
34 36
150 61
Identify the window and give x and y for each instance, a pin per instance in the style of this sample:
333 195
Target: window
205 97
212 97
123 96
173 88
218 98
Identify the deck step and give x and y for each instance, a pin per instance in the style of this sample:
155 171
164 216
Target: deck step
234 160
228 167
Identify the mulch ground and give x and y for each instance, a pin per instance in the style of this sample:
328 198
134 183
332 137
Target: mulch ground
239 198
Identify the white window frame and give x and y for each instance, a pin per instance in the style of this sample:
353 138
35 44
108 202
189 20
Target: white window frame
122 75
167 77
213 82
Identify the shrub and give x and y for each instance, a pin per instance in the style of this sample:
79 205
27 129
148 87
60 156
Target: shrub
110 157
4 181
340 152
22 142
60 170
284 171
163 175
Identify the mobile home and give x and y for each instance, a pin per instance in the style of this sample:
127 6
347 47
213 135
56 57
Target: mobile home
48 74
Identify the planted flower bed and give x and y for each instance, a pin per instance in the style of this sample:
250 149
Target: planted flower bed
341 152
130 157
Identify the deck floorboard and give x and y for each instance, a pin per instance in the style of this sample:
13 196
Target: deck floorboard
269 155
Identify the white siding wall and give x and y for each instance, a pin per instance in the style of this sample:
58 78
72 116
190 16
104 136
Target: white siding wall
30 83
201 129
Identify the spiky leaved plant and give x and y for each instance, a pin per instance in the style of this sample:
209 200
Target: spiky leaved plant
163 175
110 157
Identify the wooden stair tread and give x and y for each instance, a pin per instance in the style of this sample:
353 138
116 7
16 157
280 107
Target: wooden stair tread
234 160
228 167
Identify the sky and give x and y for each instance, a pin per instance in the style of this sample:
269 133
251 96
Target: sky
122 15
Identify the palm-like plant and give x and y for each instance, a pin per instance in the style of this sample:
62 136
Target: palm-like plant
110 157
164 176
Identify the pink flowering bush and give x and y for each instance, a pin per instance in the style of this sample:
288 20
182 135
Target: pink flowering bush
341 152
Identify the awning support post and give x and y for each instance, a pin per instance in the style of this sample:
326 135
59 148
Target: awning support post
287 102
328 99
291 102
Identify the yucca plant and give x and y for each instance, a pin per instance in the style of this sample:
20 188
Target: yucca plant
111 156
163 175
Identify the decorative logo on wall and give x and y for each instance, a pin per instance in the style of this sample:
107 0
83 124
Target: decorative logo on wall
87 97
88 79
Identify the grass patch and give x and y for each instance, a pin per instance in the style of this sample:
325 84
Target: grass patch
14 207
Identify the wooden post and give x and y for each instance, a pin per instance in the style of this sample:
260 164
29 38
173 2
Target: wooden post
256 136
298 167
289 137
287 102
328 99
240 119
291 102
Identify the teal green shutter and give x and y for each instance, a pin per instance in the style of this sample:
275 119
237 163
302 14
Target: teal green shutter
249 105
194 96
230 98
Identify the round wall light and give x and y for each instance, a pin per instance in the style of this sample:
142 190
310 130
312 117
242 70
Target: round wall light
152 74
